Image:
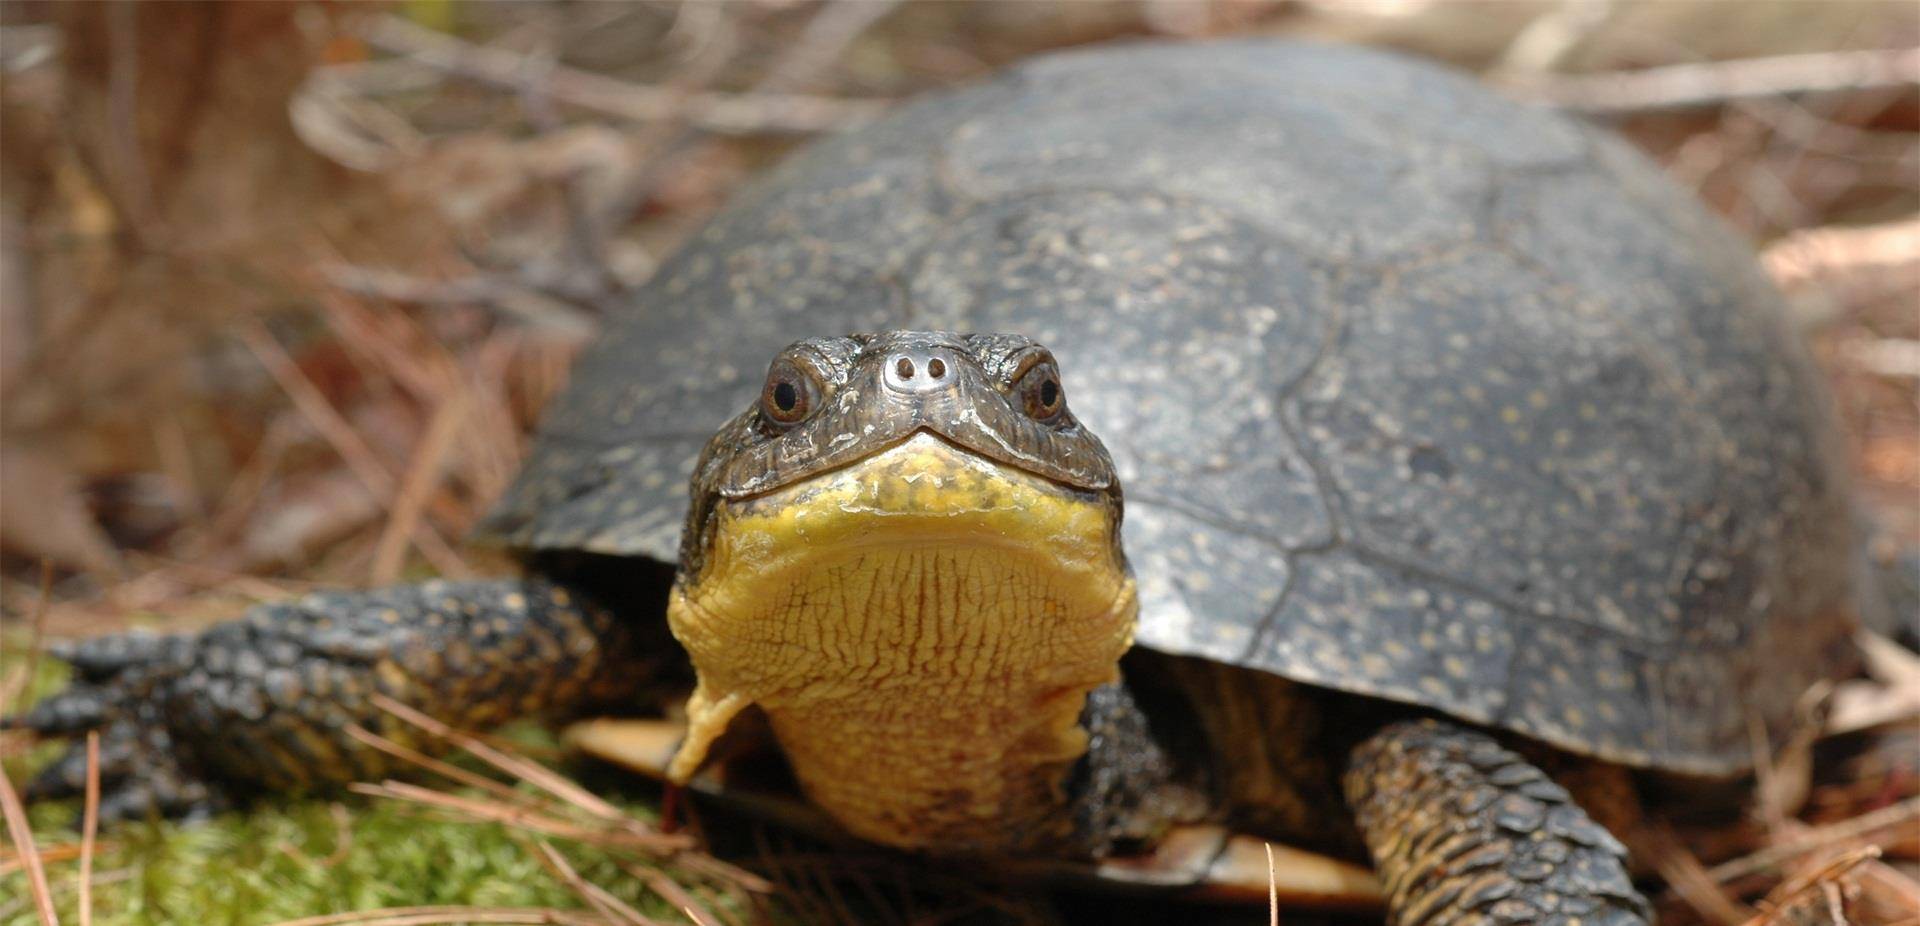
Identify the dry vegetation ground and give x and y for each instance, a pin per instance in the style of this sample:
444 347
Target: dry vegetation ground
283 286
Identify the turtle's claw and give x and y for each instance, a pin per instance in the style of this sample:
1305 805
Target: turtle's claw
113 693
113 676
157 792
101 658
141 775
80 708
63 777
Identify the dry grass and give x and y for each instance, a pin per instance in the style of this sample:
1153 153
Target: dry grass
306 375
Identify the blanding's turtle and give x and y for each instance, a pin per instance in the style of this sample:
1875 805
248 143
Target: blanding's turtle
1456 442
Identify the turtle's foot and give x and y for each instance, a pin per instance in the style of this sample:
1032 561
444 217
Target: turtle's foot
141 773
281 699
1463 830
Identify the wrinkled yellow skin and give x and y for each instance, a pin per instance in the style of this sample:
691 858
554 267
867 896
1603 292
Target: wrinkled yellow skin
922 629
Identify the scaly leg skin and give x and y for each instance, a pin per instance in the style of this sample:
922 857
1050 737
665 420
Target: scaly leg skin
265 702
1465 831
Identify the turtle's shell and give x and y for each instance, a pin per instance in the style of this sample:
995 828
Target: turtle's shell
1415 392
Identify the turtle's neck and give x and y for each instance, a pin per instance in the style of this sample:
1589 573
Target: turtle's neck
922 631
950 719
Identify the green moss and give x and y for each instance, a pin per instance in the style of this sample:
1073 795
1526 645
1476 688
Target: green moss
283 861
286 859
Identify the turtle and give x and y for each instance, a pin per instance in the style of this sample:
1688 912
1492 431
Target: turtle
1463 455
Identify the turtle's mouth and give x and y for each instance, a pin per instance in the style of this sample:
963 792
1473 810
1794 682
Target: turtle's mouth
926 484
921 626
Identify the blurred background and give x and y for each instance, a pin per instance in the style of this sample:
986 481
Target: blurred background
283 286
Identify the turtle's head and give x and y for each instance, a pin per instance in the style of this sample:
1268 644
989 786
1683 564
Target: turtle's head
907 553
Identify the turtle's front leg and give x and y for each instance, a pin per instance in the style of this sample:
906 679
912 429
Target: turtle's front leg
268 701
1465 831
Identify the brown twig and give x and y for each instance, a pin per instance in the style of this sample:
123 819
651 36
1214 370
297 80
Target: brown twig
585 237
244 489
532 772
519 817
671 891
1816 839
89 828
1783 776
130 596
826 35
359 457
488 446
430 915
174 448
22 835
499 292
395 343
1717 83
1273 890
1876 873
821 42
725 871
59 345
492 448
429 458
319 412
50 855
444 769
728 113
331 112
1812 254
1787 894
518 809
132 183
1689 880
593 895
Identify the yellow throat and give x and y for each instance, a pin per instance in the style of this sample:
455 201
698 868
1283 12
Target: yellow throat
921 628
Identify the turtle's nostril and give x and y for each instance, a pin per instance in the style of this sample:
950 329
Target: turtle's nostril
919 371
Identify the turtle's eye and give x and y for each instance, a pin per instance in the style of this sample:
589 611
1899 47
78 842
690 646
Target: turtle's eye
790 393
1040 393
